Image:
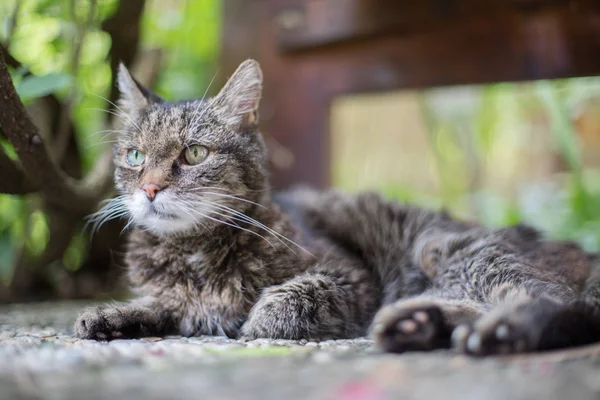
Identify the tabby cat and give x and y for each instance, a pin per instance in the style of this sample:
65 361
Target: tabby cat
213 253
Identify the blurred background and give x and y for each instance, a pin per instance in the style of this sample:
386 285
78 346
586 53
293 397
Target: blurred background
488 109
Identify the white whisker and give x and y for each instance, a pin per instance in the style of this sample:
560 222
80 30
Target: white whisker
123 113
241 217
231 196
188 210
113 208
231 224
260 225
195 122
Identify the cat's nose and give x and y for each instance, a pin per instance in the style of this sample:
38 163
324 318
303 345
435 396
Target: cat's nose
151 190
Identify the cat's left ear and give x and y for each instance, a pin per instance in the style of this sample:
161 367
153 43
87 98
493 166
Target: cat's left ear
240 96
134 96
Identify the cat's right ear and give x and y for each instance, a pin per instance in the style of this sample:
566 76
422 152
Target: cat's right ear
240 96
134 96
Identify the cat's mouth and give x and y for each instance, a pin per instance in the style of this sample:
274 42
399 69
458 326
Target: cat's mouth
162 213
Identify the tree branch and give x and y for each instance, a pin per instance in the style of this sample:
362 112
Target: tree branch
79 197
13 180
124 30
56 187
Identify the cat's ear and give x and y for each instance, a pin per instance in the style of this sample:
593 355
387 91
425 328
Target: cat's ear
134 96
240 96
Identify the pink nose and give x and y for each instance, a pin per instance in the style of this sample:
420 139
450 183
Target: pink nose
151 190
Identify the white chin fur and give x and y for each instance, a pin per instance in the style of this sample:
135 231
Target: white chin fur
140 209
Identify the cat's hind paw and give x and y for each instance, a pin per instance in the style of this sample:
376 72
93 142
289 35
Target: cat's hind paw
499 337
399 329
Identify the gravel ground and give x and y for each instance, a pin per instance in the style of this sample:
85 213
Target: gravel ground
39 359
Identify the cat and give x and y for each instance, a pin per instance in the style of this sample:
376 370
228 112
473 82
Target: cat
214 252
487 291
210 252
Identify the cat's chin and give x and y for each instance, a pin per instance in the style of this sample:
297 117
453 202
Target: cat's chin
166 227
158 218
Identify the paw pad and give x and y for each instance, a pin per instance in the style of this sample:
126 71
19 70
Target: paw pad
405 329
485 338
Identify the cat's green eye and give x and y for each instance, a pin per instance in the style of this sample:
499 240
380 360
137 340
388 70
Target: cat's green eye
195 154
135 158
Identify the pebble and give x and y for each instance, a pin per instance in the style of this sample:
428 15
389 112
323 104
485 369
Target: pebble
47 332
152 339
282 342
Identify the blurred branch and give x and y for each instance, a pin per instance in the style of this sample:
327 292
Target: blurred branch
10 60
30 276
56 187
147 66
124 30
63 133
14 180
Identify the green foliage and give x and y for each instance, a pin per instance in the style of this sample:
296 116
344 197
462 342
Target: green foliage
75 253
481 137
12 232
572 210
32 87
37 232
44 39
189 32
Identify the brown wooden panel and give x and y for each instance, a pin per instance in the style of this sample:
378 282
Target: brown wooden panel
542 39
294 109
543 45
306 24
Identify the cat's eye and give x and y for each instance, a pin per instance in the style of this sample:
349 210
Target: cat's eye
195 154
135 158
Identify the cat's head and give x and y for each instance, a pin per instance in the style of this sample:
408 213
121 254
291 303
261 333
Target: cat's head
181 166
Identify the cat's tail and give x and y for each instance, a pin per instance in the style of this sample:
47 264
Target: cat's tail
378 231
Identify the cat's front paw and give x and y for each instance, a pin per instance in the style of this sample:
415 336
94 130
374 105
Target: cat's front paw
105 324
307 307
272 318
398 328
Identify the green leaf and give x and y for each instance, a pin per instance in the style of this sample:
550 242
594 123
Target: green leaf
33 87
75 253
561 126
39 233
8 148
8 249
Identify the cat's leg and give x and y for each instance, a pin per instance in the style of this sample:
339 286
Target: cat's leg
530 324
138 318
315 305
422 323
529 303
